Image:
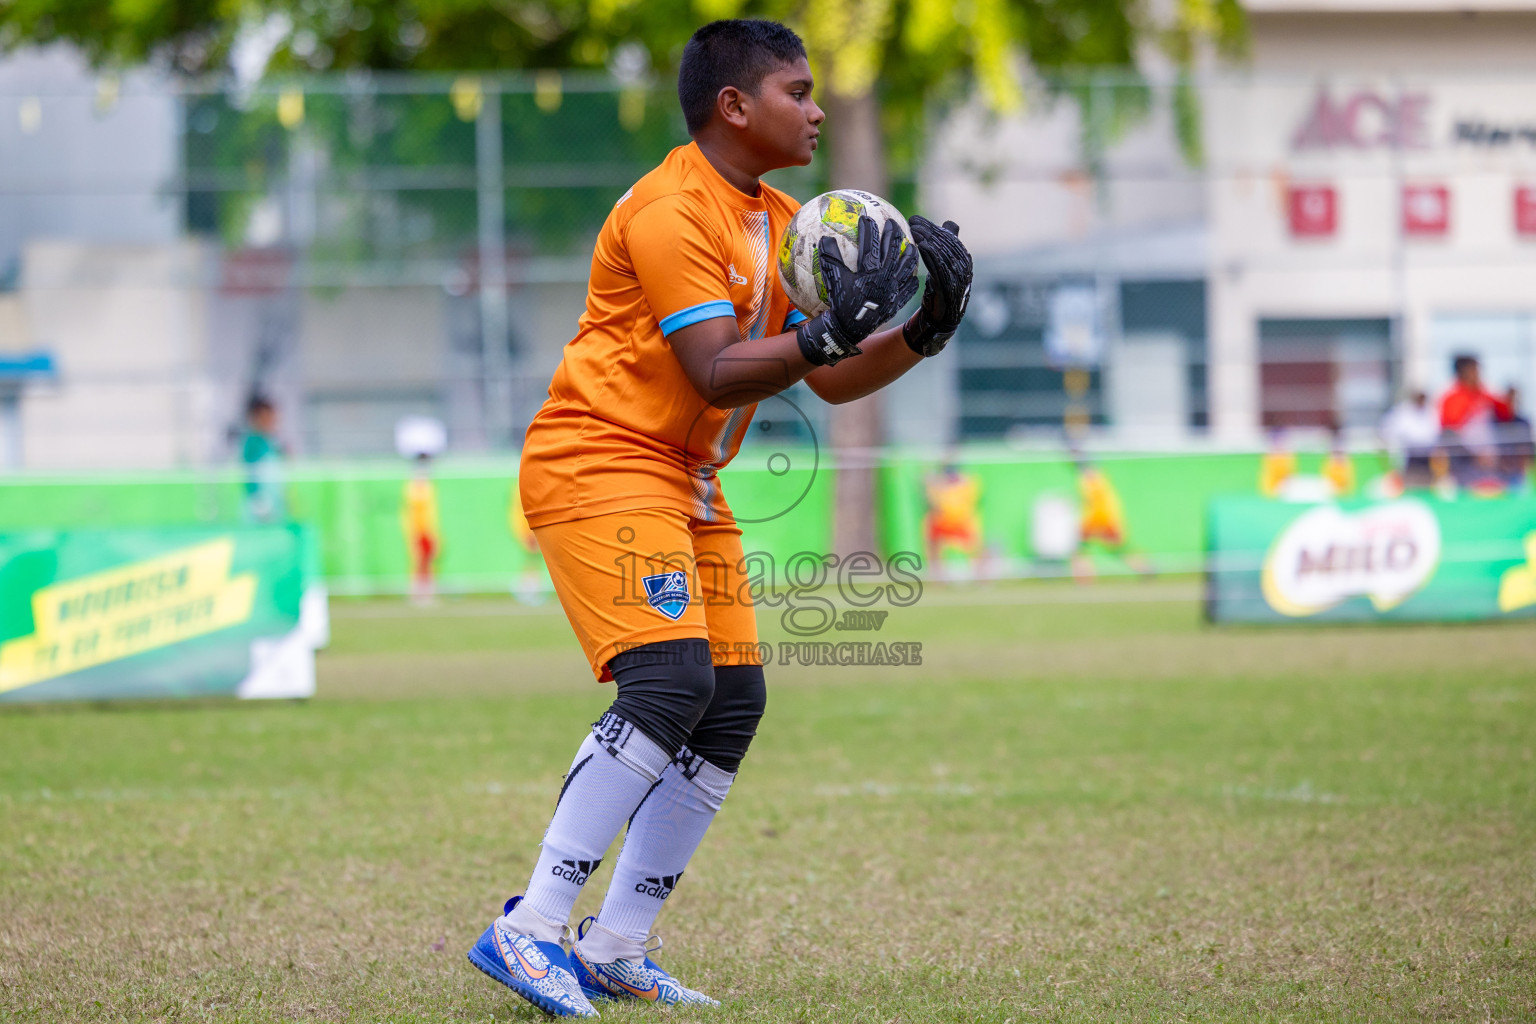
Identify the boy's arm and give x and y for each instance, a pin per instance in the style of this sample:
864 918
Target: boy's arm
886 357
730 373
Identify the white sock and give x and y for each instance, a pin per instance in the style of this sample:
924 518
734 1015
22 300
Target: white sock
604 945
614 768
665 830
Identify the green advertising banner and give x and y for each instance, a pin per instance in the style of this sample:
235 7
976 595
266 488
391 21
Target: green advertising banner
180 612
783 496
1412 559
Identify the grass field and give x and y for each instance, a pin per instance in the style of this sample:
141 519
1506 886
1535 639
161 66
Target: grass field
1083 806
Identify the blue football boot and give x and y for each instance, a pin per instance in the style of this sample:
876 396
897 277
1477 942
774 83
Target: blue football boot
631 979
538 971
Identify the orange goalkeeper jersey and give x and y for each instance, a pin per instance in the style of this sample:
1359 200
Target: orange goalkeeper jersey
623 428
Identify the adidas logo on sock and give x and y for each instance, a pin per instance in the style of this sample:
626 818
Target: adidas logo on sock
575 870
661 887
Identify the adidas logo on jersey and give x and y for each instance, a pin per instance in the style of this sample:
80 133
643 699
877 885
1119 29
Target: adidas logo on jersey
661 887
575 870
623 197
735 277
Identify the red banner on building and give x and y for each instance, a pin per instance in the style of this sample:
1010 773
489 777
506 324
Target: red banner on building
1426 210
1314 211
1525 211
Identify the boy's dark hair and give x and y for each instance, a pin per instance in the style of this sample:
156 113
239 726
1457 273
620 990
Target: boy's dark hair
1464 361
740 52
258 404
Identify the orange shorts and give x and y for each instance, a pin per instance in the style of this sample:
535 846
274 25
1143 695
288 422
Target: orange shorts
956 532
1108 533
632 578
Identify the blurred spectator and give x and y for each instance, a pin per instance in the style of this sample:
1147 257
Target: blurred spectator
1410 430
262 456
1470 410
1338 467
1516 447
418 520
1279 465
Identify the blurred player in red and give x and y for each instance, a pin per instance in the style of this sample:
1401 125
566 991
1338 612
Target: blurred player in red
686 329
953 521
419 522
1102 525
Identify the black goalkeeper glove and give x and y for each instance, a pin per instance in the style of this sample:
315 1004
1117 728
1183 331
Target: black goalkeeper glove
859 301
949 286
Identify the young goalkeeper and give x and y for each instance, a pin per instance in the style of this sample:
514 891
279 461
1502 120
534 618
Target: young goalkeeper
686 327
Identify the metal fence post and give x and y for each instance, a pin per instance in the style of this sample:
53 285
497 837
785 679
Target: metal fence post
490 204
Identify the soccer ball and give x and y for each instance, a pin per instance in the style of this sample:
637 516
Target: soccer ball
835 214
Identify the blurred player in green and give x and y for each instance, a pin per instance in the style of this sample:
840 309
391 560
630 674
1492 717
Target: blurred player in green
262 456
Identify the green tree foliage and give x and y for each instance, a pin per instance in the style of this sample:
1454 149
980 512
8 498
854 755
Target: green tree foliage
909 48
399 166
909 55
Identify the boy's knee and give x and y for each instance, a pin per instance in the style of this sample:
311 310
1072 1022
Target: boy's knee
726 730
744 689
664 688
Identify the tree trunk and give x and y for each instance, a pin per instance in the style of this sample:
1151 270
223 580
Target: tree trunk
858 161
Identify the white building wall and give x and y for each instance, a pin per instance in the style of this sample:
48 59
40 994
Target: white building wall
127 327
1018 182
1432 74
370 356
84 155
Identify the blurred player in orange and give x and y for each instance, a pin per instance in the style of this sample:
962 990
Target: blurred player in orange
529 589
1279 464
1102 524
1338 467
953 520
686 329
419 522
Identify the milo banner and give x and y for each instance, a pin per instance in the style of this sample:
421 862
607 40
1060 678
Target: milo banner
1405 559
108 614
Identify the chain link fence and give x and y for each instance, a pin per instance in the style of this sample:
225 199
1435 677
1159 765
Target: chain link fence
1160 265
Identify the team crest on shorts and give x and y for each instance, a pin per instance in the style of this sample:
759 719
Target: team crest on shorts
667 592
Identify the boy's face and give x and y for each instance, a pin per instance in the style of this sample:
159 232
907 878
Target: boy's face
784 122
